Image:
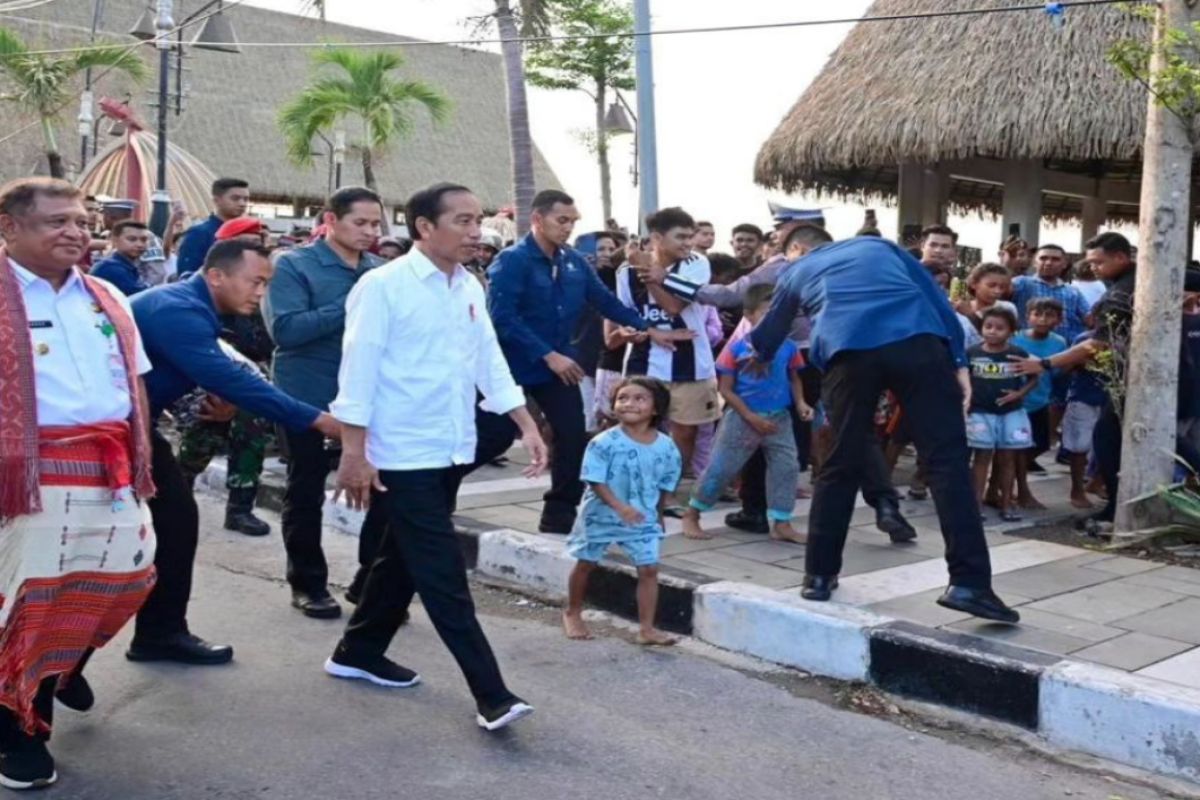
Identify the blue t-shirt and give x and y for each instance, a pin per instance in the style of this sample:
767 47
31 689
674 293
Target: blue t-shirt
767 393
637 474
1052 345
1086 386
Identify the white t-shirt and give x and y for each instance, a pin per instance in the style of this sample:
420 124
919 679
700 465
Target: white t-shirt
691 360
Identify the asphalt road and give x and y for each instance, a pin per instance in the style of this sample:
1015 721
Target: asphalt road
613 721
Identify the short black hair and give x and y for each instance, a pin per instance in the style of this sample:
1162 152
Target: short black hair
341 201
658 390
1052 247
981 271
1005 314
612 237
1111 242
668 219
547 199
749 227
427 204
757 296
126 224
1045 304
724 264
229 254
704 224
222 185
807 233
939 230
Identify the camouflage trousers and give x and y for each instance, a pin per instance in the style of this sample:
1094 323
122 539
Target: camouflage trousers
244 439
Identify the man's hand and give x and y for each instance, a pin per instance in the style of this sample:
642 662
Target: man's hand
667 339
356 478
635 255
964 383
650 273
762 425
1026 366
214 409
630 515
328 426
531 440
1014 396
805 411
565 368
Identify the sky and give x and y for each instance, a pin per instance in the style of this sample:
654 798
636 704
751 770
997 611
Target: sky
719 96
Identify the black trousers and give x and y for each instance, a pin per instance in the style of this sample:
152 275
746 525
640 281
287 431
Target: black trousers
177 529
921 373
308 467
562 406
420 552
1106 445
11 734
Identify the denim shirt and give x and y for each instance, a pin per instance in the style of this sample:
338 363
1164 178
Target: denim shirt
536 304
305 312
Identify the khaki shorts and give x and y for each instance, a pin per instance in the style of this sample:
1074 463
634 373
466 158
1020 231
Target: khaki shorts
695 402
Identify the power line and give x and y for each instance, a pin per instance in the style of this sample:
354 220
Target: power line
964 12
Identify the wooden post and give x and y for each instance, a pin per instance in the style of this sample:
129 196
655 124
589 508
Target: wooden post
1023 199
935 197
911 188
1095 212
1163 234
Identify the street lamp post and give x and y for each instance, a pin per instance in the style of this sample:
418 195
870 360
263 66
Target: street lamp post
86 112
647 130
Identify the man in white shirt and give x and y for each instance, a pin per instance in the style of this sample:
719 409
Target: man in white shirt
74 461
418 344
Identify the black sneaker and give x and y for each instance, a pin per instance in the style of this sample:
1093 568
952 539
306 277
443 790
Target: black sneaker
503 715
376 669
76 694
751 523
28 765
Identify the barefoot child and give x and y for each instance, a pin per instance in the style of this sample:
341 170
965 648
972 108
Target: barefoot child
997 425
631 472
1085 402
1044 314
757 415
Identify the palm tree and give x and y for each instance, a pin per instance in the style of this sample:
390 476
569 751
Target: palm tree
44 85
315 6
365 91
534 14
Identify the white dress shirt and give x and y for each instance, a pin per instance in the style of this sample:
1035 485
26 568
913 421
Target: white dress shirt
416 347
78 369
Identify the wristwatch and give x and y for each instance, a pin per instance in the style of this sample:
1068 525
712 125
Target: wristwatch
1046 365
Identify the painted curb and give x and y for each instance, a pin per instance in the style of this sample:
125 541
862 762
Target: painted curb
822 638
1135 720
522 558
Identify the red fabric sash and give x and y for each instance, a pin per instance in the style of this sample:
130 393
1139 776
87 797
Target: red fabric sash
19 493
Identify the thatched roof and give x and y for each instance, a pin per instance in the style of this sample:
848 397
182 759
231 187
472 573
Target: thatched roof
1004 86
229 118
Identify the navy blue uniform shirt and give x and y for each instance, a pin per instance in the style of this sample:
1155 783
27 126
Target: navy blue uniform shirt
196 243
122 273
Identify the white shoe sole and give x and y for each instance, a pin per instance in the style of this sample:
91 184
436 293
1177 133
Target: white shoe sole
515 713
353 673
9 783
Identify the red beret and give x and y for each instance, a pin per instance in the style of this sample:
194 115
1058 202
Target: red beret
239 227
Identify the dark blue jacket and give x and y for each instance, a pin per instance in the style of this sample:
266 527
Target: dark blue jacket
861 294
179 328
122 273
536 304
196 243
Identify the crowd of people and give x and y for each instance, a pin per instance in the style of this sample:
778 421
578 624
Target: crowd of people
402 365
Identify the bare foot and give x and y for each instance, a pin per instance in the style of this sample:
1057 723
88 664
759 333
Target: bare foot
575 627
1096 487
1081 501
784 532
1030 503
692 529
655 638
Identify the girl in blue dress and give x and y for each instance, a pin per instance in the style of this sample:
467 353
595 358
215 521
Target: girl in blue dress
631 472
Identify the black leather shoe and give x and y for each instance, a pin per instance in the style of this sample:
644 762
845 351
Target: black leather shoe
750 523
77 694
818 587
239 513
889 520
981 603
316 605
184 648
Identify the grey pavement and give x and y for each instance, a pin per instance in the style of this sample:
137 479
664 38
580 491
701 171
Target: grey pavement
613 720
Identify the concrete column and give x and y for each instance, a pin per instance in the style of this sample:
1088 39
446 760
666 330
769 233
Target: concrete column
910 192
1095 211
936 196
1023 199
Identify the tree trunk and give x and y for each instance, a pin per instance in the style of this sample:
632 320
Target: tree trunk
1153 363
368 169
519 139
602 152
53 157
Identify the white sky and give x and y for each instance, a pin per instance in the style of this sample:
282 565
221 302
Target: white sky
719 96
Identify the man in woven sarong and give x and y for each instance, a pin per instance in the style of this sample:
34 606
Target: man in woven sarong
76 544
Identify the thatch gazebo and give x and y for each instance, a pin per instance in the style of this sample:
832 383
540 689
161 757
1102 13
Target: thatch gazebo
1005 113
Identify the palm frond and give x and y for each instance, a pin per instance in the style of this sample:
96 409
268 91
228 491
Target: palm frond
124 61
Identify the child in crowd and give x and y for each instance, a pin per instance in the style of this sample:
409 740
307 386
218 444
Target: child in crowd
757 415
1044 315
1085 402
987 285
997 425
631 472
